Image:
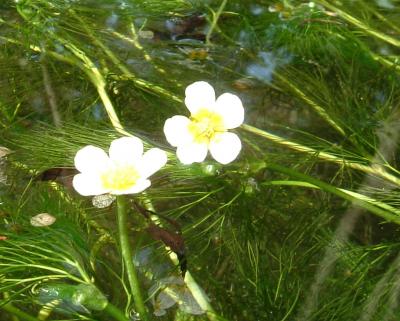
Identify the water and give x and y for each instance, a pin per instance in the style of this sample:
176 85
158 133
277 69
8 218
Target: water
302 225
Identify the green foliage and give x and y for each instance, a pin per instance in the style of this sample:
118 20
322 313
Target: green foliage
297 228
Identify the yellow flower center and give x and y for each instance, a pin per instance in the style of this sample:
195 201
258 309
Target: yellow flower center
204 125
120 178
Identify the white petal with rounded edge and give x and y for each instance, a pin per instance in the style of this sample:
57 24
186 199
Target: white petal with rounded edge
225 147
230 107
126 150
176 130
199 95
191 153
91 159
140 186
151 162
88 184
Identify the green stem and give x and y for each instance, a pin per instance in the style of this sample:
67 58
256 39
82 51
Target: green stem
374 169
215 21
354 21
201 298
381 17
114 312
17 312
368 199
196 290
127 256
386 62
319 109
99 82
333 190
141 83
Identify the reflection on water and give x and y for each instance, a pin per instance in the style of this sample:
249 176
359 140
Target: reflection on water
269 62
167 292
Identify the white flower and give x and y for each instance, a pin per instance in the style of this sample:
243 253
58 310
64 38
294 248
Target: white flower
124 171
206 129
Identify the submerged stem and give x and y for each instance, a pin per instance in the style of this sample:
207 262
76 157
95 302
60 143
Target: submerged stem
320 110
127 257
99 82
368 199
198 293
201 298
215 21
114 312
141 83
354 21
374 169
18 313
352 197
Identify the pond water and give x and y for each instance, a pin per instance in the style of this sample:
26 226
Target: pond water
293 215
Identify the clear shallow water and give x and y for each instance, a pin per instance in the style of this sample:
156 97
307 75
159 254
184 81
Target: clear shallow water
302 226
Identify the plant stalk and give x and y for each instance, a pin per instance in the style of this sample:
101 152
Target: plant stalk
373 169
127 256
18 313
358 23
320 110
198 293
114 312
352 197
215 21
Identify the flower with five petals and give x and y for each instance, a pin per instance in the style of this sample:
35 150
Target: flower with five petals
207 128
125 170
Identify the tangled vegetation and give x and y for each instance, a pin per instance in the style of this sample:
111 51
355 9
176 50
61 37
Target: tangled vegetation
301 226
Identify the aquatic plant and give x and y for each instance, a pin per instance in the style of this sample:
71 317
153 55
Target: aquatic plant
302 224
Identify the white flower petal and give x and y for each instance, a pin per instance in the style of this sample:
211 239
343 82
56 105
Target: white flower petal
140 186
225 147
88 184
230 107
91 159
199 95
126 150
191 153
176 130
151 162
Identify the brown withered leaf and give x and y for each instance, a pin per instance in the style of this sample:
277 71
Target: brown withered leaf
172 239
60 175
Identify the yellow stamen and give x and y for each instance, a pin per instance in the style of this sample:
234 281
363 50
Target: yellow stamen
204 125
120 178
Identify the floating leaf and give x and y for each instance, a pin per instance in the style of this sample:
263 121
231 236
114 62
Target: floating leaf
162 303
173 290
90 297
61 293
81 298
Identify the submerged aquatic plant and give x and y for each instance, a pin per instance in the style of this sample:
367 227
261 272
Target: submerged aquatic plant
302 226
